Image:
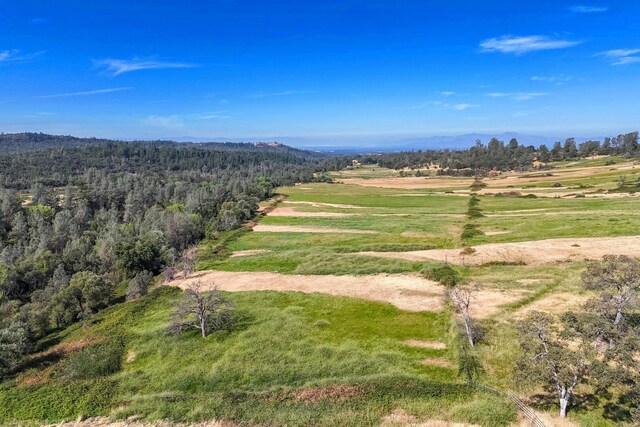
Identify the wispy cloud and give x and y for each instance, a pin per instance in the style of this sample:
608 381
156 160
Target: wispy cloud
445 105
525 44
283 93
462 107
517 96
622 56
37 21
446 93
174 121
216 115
589 9
558 80
86 93
116 67
15 55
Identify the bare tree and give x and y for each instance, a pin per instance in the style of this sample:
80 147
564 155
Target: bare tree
205 311
462 298
188 263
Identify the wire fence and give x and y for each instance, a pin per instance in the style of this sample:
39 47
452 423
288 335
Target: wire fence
523 408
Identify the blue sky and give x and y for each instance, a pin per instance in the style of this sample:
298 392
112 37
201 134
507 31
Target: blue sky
352 68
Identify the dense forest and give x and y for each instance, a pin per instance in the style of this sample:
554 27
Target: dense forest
82 223
500 156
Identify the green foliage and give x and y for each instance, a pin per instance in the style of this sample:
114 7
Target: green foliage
86 293
93 362
139 285
445 274
14 343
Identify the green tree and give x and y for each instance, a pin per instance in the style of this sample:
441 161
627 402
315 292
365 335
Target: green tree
86 293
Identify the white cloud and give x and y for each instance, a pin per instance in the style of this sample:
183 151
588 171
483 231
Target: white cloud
168 122
589 9
517 96
462 107
120 66
445 105
525 44
86 93
559 79
15 55
446 93
283 93
217 115
622 56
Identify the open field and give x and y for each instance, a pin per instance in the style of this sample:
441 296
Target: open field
337 324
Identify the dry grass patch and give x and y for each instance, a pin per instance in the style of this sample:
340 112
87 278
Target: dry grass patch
530 253
400 418
261 228
250 252
405 291
436 345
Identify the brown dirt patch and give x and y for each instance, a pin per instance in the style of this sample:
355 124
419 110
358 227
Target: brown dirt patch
555 303
261 228
410 183
407 292
321 205
316 394
291 212
531 252
134 422
131 356
439 362
400 418
436 345
250 252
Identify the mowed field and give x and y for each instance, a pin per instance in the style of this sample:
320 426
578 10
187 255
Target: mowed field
369 235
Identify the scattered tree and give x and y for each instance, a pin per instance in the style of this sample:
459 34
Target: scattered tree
549 358
462 297
205 311
139 285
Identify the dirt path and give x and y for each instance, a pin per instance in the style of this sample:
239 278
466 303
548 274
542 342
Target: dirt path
531 253
405 291
262 228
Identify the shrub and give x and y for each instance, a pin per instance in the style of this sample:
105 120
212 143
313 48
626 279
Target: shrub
139 285
445 275
556 185
470 230
93 362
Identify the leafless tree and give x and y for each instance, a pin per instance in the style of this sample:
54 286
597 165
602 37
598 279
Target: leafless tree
188 263
462 297
205 311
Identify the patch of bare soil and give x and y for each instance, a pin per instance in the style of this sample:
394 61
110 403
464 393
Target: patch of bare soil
316 394
133 422
496 233
410 183
530 253
291 212
439 362
555 303
262 228
250 252
400 418
407 292
436 345
320 205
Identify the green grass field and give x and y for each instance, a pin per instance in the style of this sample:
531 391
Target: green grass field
285 345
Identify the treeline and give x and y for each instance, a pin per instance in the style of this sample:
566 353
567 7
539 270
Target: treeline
500 156
78 224
11 143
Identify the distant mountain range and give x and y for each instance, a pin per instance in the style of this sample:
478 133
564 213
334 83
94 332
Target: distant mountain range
364 144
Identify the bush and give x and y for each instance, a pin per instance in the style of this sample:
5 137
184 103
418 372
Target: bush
139 285
556 185
93 362
445 275
470 230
